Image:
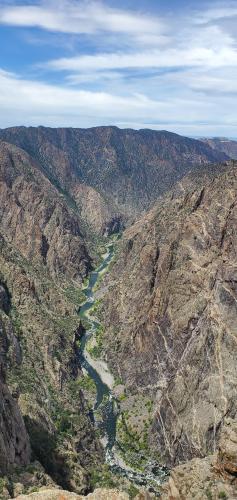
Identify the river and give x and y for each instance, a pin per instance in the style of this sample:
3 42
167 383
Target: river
152 476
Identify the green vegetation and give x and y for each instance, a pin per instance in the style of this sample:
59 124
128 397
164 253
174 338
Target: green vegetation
75 295
94 309
133 444
85 283
3 484
208 494
223 494
118 381
25 378
85 383
149 405
132 491
122 397
103 478
133 427
96 350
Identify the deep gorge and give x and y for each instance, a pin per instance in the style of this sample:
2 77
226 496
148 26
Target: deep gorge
163 315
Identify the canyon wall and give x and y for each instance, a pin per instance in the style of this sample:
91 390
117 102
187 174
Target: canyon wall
43 260
112 175
170 312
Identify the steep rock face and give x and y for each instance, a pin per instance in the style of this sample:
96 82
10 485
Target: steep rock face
36 219
171 312
224 145
43 260
95 211
212 477
43 373
127 168
14 441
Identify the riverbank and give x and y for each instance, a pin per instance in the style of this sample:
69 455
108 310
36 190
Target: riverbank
107 407
101 368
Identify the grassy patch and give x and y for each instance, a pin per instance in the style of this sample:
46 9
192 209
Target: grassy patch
132 491
103 478
96 350
85 383
75 295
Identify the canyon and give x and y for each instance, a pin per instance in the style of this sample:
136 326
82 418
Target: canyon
111 175
167 304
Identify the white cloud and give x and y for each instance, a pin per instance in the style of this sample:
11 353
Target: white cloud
170 58
28 102
177 73
216 13
73 16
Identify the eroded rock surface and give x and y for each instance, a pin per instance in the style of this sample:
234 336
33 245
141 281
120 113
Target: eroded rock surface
99 494
212 477
43 261
171 313
14 441
36 219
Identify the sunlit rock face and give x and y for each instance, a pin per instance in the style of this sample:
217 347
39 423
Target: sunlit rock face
215 475
171 312
44 259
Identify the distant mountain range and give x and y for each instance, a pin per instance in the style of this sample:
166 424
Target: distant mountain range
224 145
111 175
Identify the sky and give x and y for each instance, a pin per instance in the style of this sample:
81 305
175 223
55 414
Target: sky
159 64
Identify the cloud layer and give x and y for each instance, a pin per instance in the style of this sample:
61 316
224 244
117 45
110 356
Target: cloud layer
129 68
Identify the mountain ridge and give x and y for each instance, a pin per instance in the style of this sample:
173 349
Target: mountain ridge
124 170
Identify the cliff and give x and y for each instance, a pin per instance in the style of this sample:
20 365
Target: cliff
43 261
170 314
14 441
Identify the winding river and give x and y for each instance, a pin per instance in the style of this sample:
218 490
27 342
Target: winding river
152 476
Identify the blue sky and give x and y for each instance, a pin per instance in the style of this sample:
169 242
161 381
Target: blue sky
141 64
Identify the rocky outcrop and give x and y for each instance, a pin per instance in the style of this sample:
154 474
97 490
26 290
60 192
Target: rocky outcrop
111 173
99 494
170 313
43 261
14 441
36 219
212 477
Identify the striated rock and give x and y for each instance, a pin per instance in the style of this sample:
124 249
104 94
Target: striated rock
171 316
211 477
35 218
111 174
43 260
